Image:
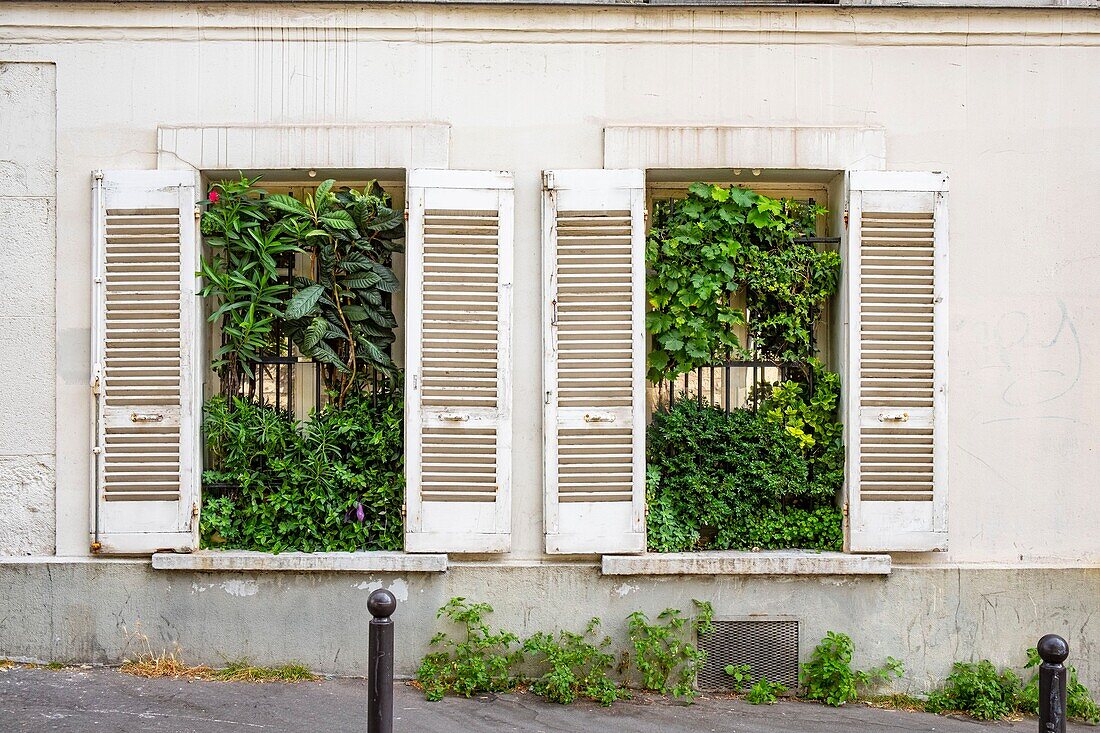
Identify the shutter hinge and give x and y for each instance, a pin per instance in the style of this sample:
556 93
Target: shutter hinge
198 213
845 218
97 450
404 510
406 213
195 510
96 373
845 509
554 312
548 180
97 175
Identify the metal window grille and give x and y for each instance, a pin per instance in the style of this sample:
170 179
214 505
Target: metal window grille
768 644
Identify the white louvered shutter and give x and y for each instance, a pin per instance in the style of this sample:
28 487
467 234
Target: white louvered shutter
145 347
458 442
897 403
594 362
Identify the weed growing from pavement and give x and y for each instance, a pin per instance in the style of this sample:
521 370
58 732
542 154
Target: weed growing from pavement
829 678
764 692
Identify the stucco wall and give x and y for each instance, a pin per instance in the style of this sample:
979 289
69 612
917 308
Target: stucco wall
27 354
1004 101
94 609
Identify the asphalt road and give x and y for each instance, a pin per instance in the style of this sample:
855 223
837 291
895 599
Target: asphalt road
107 701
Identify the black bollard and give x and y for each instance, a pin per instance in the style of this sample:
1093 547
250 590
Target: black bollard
381 605
1053 650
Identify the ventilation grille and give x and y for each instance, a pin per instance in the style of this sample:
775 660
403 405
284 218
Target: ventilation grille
459 464
768 645
141 359
594 303
896 301
460 309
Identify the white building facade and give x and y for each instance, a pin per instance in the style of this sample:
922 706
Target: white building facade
981 122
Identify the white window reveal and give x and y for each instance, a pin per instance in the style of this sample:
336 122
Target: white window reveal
458 428
594 361
897 363
145 348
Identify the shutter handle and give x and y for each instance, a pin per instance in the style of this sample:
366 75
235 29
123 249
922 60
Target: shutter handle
453 417
599 418
146 416
893 417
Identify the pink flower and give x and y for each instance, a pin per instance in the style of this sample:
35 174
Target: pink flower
214 197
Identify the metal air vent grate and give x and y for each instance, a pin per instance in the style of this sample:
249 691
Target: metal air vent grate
768 644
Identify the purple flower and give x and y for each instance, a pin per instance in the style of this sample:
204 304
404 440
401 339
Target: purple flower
356 514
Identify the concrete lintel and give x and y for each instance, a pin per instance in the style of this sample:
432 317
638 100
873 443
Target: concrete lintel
783 562
728 146
348 562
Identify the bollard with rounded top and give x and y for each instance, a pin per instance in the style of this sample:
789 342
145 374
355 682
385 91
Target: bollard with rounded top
381 605
1053 650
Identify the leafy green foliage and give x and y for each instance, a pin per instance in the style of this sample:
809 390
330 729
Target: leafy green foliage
333 483
736 481
241 276
978 690
829 676
340 315
571 666
482 660
764 692
665 651
739 676
719 242
1079 701
810 417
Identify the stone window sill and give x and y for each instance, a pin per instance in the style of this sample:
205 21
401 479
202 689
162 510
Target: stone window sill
348 562
779 562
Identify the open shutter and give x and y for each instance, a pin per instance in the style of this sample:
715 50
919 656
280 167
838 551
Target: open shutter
594 363
145 348
897 391
458 436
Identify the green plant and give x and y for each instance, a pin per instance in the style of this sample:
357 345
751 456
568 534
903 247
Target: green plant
829 676
716 243
809 415
739 674
1079 701
731 481
340 316
335 482
978 690
665 651
572 667
241 276
764 692
482 660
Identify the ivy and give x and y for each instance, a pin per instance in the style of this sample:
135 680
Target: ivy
720 242
335 482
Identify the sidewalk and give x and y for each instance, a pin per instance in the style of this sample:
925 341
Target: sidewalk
106 701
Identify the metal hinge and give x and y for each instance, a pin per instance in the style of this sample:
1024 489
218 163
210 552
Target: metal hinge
195 510
845 508
96 373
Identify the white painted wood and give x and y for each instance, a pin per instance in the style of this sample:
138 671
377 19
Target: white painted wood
896 415
594 360
146 370
458 361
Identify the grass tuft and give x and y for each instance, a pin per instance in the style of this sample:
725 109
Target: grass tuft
147 663
895 701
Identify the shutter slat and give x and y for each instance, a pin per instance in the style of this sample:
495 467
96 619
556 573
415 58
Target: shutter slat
896 408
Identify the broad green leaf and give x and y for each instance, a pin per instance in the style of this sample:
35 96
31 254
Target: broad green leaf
303 302
289 204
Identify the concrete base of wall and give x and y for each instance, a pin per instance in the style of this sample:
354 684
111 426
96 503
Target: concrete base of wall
67 610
